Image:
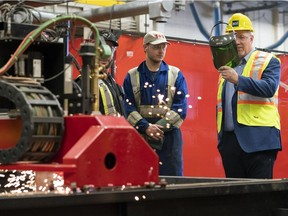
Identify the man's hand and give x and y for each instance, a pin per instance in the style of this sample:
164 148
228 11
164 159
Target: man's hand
228 74
155 131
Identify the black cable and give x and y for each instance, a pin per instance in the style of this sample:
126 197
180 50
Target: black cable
111 15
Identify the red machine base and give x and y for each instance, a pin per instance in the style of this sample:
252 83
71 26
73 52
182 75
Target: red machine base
101 151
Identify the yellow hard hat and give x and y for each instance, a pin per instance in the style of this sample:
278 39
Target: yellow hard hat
239 21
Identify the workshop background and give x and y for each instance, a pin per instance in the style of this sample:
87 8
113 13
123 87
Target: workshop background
188 27
58 154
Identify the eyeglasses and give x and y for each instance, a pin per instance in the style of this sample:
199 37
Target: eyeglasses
158 46
241 37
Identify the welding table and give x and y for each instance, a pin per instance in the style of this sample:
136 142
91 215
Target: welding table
181 196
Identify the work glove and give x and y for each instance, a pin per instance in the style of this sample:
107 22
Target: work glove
165 123
157 132
155 144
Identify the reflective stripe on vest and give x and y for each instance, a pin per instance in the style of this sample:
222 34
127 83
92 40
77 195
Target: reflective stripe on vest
135 81
174 118
219 103
154 111
151 111
257 111
107 98
134 117
254 69
252 110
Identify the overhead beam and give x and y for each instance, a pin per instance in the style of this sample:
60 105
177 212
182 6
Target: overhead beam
158 10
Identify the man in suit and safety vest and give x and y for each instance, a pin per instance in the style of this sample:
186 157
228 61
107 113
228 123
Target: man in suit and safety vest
156 103
247 107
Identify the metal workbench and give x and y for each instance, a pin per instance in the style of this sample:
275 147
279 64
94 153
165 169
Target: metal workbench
181 196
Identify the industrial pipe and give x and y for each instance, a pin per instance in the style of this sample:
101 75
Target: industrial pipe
197 19
278 43
158 10
217 17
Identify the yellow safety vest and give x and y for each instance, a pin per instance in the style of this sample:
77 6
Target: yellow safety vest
154 111
253 110
107 99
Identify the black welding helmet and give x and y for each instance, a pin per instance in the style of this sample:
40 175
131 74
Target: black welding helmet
223 48
109 36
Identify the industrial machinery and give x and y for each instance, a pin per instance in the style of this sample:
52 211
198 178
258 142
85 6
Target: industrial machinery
39 131
51 130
